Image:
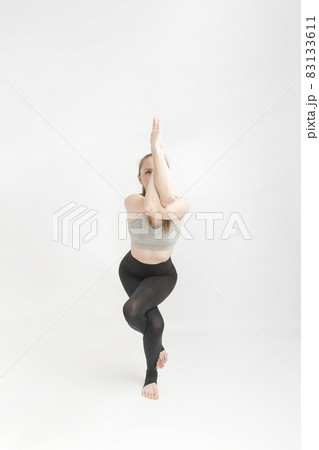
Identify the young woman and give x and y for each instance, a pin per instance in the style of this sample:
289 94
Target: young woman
147 272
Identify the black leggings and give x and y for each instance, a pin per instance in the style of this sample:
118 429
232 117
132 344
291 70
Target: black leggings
147 285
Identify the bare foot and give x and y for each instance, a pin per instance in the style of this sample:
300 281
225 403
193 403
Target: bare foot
162 359
150 391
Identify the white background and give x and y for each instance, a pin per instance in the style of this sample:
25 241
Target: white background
80 84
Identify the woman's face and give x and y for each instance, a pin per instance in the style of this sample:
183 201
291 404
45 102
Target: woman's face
146 171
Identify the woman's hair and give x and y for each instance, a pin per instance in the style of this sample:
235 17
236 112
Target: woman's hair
166 222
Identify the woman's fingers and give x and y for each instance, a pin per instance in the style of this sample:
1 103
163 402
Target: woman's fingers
156 126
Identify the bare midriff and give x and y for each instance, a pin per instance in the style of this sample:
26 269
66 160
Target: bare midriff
150 256
147 256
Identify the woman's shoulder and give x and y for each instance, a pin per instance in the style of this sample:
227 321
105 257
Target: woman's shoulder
134 205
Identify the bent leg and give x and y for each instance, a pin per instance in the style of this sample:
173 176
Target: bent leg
142 314
142 300
130 283
152 341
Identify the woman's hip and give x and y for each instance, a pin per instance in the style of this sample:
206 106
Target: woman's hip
143 270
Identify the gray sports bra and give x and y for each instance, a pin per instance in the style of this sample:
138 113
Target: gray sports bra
144 236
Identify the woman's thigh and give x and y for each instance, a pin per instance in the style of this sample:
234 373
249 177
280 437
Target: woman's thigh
129 280
162 285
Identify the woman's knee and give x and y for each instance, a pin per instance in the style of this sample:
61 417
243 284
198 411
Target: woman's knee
129 310
157 326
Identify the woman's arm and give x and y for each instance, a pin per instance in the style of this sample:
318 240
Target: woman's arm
152 202
162 177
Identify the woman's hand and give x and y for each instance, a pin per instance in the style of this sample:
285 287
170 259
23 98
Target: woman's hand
156 135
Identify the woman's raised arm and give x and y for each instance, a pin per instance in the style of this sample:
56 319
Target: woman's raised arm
162 177
152 202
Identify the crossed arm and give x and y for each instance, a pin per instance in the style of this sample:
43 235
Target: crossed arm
177 207
152 201
159 197
152 204
162 178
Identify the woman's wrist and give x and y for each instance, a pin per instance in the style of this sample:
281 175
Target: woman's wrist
156 148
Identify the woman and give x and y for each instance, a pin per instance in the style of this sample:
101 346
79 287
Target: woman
147 272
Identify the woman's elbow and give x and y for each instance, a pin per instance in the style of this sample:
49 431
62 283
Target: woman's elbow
168 201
